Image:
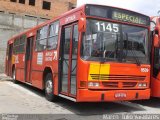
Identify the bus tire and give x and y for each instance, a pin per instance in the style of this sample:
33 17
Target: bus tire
49 93
14 76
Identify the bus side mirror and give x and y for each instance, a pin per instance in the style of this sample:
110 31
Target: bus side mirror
152 25
156 41
82 25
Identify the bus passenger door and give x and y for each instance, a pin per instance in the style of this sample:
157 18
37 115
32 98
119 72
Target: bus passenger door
28 59
68 64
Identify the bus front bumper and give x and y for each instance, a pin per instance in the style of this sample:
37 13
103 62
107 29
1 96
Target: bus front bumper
85 95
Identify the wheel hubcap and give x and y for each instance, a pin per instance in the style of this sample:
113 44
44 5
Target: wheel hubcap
49 87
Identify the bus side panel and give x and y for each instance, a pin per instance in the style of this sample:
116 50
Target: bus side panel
155 87
37 69
19 66
20 74
37 79
51 61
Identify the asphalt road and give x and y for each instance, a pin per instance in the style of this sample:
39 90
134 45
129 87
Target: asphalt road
24 99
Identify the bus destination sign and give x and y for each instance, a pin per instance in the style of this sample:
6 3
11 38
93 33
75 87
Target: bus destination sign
117 14
126 17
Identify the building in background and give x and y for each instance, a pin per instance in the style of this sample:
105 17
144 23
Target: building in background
19 15
40 8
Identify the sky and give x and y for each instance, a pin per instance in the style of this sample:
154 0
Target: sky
147 7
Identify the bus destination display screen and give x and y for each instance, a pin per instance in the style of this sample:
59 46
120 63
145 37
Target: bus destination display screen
117 14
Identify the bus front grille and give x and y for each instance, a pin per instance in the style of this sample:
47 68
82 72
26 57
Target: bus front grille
116 77
112 85
129 84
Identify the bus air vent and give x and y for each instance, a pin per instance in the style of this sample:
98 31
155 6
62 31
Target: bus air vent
116 77
110 84
129 84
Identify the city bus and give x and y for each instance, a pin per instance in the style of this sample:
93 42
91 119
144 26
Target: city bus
155 56
93 53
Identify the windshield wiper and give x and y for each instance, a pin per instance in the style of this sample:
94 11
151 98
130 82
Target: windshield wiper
104 53
134 54
102 59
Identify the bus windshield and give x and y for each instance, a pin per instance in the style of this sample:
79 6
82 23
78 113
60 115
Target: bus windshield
108 41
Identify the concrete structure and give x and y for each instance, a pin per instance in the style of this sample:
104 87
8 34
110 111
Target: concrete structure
42 8
16 17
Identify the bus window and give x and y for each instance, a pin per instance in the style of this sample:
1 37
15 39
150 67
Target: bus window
75 40
119 42
66 51
16 46
22 43
53 35
74 59
41 39
19 44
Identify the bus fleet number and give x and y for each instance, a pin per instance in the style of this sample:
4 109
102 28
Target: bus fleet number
107 27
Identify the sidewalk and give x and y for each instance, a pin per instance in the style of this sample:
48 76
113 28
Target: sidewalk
4 77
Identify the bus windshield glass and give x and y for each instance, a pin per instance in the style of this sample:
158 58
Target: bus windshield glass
108 41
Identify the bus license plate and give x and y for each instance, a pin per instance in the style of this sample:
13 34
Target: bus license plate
120 95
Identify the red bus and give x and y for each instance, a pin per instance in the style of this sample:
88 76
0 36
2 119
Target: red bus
155 56
92 53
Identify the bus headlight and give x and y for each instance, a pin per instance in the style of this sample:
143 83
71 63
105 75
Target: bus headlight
93 84
142 84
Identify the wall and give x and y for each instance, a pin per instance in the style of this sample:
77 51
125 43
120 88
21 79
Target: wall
10 25
57 7
16 17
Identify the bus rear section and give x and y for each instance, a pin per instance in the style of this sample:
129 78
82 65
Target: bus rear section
9 58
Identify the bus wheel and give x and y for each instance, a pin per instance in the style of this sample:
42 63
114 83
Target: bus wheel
49 88
14 76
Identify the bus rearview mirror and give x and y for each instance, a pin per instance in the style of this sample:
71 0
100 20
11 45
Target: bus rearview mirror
82 25
152 25
156 41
